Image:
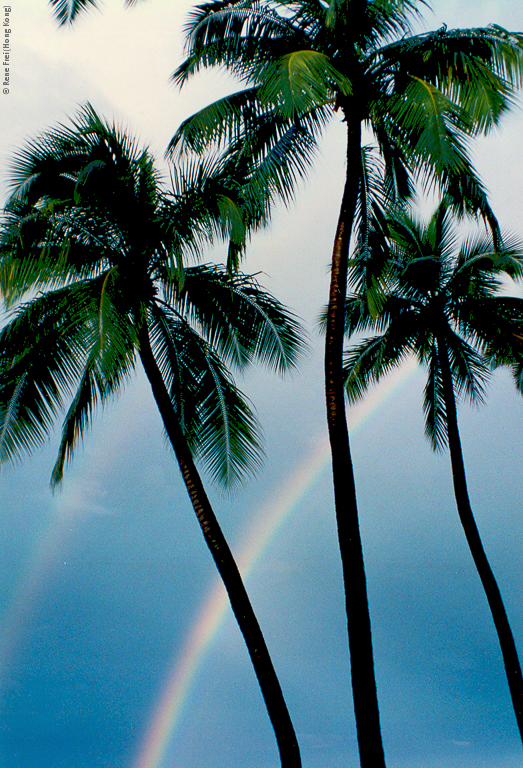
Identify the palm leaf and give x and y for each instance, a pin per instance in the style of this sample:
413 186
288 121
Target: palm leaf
232 33
222 118
301 81
239 319
434 407
479 68
110 343
41 353
470 371
67 10
94 388
368 362
217 420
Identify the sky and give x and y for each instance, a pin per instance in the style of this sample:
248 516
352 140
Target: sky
117 648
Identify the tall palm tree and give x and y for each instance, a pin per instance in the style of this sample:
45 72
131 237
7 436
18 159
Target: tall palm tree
441 302
422 96
92 259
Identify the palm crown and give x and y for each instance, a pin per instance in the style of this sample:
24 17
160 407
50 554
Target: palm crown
422 95
91 232
439 299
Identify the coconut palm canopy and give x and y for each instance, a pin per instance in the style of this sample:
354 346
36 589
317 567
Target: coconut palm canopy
432 290
89 229
99 610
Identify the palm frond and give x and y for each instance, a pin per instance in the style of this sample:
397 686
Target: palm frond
496 323
368 362
386 20
470 371
41 355
239 319
47 248
500 331
217 420
301 81
66 11
220 120
234 35
61 343
109 364
434 407
478 68
433 126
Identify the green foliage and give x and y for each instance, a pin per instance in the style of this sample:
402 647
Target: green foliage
424 96
439 295
67 11
93 250
301 81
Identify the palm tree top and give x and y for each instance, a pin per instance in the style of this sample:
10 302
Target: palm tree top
438 289
423 96
318 51
92 250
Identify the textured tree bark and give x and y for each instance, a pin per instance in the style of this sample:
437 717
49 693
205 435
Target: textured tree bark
495 601
222 555
358 617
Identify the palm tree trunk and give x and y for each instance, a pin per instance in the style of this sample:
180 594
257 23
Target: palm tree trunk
356 601
497 609
222 555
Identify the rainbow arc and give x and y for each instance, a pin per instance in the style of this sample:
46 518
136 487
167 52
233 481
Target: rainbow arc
271 519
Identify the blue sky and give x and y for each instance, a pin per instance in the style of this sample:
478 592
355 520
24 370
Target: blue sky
100 583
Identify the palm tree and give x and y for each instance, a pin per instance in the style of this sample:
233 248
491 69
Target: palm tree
442 303
422 96
92 255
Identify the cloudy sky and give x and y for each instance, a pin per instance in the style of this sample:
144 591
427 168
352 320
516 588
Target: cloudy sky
104 585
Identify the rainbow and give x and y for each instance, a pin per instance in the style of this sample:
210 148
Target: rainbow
66 512
186 664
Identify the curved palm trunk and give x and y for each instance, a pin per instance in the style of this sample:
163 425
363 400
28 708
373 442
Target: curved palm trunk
358 617
222 555
497 609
